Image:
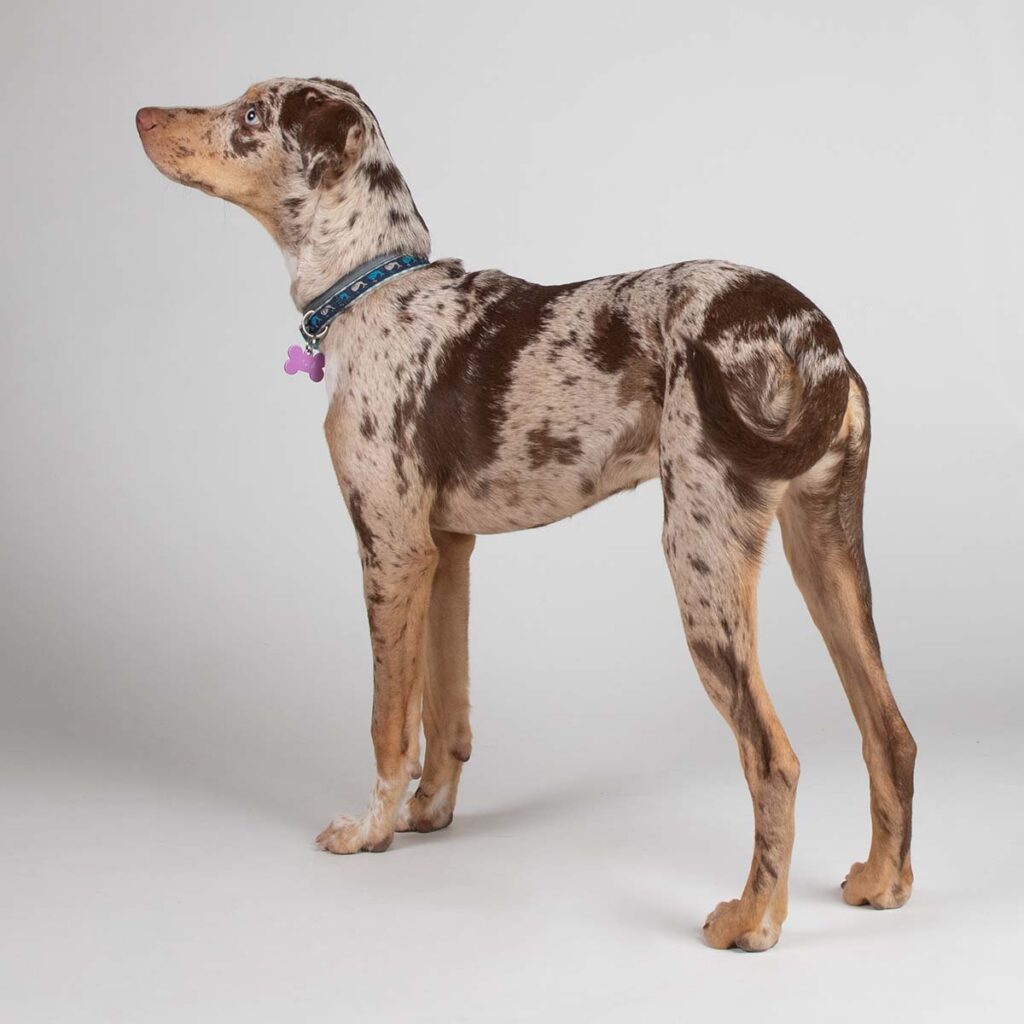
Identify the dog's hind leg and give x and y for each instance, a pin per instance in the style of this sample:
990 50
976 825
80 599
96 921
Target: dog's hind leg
715 525
822 536
446 694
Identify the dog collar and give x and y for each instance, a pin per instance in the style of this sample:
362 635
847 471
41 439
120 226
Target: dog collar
323 310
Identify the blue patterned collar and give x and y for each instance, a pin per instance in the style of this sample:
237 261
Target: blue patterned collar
322 310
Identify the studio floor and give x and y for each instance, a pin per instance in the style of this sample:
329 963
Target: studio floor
569 888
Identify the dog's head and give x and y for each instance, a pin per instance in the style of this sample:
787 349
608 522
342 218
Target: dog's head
282 151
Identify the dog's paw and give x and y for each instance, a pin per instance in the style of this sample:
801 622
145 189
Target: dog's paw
883 889
354 835
423 813
729 925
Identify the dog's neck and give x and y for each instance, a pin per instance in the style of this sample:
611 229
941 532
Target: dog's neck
368 212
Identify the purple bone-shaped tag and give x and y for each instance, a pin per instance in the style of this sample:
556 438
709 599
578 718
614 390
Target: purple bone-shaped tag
307 362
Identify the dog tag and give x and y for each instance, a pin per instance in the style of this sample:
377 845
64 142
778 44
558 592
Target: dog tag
308 362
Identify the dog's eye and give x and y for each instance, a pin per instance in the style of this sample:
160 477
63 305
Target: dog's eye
251 116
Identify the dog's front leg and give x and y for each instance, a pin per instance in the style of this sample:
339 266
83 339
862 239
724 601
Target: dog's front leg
446 698
397 576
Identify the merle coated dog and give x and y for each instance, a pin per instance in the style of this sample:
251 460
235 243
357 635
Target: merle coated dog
463 403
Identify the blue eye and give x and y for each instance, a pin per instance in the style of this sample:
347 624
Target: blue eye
251 117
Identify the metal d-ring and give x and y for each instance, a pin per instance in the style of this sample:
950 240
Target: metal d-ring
311 337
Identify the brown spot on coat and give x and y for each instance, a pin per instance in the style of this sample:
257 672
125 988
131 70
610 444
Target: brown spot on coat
753 305
544 447
751 453
383 177
733 677
667 484
366 536
613 341
244 142
457 429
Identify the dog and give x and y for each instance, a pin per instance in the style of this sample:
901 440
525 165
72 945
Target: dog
465 403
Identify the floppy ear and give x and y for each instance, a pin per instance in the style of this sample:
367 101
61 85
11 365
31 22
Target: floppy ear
327 132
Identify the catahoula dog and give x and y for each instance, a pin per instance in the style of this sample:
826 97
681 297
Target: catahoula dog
465 403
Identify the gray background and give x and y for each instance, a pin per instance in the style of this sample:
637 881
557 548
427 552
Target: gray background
185 666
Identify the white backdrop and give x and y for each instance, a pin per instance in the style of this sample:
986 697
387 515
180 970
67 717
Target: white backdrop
185 666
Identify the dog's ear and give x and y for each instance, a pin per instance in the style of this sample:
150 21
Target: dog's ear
343 86
327 132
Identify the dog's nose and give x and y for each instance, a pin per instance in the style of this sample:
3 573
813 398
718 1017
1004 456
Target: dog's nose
149 117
